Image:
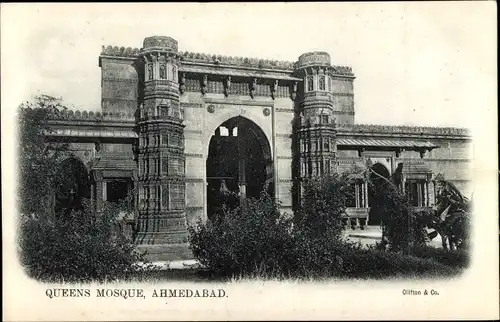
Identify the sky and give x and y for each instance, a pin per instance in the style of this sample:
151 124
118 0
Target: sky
428 64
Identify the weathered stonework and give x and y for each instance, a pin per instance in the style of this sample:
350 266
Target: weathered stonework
161 107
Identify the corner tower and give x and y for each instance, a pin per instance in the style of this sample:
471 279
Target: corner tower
316 131
161 186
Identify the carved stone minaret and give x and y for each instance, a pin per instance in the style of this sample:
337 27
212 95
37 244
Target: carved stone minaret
316 131
162 216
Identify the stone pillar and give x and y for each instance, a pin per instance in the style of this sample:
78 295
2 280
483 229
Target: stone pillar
104 190
356 191
162 222
427 198
366 195
363 195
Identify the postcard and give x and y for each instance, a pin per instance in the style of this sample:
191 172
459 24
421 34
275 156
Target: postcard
229 161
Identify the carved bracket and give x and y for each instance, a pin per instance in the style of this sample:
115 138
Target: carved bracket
227 86
253 86
181 82
274 89
293 90
204 84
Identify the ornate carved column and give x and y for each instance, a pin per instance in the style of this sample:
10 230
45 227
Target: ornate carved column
316 133
161 180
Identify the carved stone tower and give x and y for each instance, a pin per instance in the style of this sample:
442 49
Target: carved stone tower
316 132
161 186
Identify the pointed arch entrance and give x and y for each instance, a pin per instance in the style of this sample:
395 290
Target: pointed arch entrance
239 163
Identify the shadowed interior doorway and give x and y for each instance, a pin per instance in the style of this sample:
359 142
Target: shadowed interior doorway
239 164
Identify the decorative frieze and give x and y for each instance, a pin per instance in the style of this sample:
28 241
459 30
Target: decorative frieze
218 60
342 70
119 51
236 61
454 160
229 101
191 105
342 94
121 80
90 115
194 155
343 112
285 110
236 88
391 129
194 180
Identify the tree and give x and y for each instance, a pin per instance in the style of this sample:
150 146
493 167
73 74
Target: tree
38 157
452 218
402 228
84 247
81 245
325 200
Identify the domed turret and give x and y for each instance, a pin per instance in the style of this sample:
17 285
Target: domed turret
316 135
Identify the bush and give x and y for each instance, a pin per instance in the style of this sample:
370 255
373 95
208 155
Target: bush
83 247
362 263
255 240
457 258
253 236
402 228
324 203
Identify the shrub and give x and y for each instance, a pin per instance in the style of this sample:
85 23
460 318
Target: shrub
239 241
363 263
324 203
38 156
402 228
459 258
255 240
82 247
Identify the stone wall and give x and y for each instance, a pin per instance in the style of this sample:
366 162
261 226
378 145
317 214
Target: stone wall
343 99
119 85
204 113
452 159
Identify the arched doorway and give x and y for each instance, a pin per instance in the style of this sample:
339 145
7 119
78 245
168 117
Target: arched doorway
375 207
239 164
72 186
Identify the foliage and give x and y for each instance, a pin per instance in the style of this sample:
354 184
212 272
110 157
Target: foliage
256 240
82 247
77 245
325 200
240 240
459 258
452 219
38 158
449 196
402 227
370 263
453 228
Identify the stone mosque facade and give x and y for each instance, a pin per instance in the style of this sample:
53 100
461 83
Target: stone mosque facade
175 126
